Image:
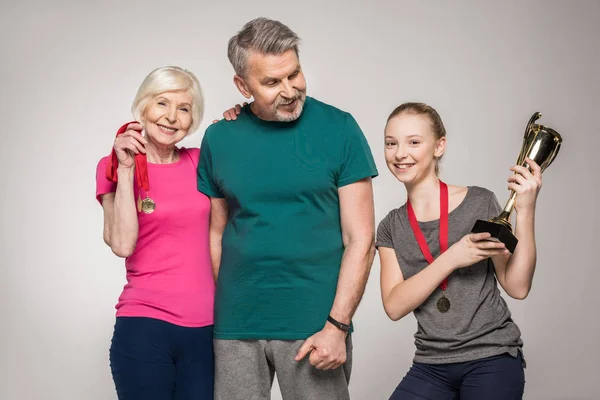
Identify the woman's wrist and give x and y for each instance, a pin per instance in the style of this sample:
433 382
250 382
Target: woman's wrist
125 172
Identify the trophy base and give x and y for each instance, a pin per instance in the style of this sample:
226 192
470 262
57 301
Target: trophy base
498 231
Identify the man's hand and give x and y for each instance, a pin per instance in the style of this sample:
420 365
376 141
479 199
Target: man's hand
327 348
232 113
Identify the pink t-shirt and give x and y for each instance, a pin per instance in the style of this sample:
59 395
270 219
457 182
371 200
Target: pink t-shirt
169 275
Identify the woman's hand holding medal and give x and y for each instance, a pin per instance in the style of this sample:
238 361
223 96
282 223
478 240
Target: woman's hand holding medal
128 144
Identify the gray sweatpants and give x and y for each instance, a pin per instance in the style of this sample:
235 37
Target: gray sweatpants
244 370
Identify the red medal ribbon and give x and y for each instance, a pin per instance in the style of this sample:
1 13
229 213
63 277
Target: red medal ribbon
414 224
141 164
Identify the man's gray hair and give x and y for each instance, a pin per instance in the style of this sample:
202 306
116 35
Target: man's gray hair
262 35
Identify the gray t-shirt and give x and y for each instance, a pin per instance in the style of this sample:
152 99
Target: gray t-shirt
479 322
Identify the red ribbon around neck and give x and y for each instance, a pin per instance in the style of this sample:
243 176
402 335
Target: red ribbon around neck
414 224
141 164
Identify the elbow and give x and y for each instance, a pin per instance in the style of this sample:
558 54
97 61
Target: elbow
371 254
363 243
519 294
106 235
368 248
372 250
121 249
393 316
393 313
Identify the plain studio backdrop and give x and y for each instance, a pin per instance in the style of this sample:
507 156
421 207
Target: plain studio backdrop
69 72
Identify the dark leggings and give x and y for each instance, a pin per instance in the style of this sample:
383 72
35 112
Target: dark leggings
152 359
494 378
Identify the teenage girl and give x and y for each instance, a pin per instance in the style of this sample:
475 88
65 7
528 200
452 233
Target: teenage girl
467 345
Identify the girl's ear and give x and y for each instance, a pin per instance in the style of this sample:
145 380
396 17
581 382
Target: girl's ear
440 147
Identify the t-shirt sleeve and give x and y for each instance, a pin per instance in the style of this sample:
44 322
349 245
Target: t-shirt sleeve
205 171
384 233
494 209
103 185
357 159
194 154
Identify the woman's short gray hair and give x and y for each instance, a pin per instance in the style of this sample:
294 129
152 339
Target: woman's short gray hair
263 35
169 79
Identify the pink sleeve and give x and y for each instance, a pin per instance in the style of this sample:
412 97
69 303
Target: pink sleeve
194 153
103 185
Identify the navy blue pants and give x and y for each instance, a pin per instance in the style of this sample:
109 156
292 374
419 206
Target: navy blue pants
152 359
494 378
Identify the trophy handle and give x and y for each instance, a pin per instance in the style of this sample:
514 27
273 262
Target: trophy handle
528 137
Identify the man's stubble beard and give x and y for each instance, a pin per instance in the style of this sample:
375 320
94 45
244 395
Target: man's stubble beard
277 116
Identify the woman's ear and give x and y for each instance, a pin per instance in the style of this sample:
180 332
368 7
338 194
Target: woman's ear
440 147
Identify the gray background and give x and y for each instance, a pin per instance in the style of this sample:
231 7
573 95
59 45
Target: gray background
68 75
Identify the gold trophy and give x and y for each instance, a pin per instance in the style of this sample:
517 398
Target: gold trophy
541 144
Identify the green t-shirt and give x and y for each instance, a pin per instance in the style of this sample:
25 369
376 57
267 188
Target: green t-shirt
282 245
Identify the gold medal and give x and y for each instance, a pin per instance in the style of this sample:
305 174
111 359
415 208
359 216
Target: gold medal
148 205
443 304
139 203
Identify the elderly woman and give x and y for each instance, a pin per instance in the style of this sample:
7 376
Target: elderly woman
156 219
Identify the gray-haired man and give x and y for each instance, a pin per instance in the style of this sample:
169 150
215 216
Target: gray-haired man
291 227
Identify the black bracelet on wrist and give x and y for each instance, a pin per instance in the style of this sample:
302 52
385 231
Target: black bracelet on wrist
338 324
